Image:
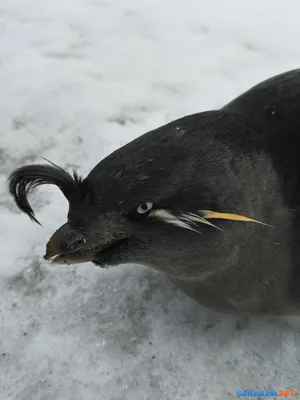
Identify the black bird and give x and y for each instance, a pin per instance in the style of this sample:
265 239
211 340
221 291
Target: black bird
211 200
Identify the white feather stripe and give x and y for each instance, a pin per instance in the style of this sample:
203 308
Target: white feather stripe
196 218
182 224
170 218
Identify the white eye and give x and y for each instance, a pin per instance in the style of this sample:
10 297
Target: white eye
144 208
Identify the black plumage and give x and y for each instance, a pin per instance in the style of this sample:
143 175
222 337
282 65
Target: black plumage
211 200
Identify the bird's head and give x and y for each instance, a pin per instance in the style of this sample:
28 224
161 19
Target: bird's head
145 203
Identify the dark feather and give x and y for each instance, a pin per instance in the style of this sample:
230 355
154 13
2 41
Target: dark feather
24 179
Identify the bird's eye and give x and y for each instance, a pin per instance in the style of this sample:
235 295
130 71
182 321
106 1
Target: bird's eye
144 208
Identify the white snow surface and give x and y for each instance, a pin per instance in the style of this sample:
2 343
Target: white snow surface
78 79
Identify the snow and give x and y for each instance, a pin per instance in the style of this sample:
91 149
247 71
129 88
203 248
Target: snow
78 79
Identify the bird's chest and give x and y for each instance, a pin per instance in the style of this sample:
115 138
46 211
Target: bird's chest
258 299
253 279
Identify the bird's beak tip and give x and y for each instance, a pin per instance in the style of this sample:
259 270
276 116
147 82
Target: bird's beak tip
52 249
48 256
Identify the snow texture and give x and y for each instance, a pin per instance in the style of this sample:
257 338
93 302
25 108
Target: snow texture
78 79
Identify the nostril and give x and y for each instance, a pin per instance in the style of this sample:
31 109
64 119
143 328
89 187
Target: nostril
66 239
80 240
76 239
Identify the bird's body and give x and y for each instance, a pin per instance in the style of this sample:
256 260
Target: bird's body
263 273
147 203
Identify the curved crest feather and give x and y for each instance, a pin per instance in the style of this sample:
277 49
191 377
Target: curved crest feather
24 179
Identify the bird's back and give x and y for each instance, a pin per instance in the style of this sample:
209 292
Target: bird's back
273 108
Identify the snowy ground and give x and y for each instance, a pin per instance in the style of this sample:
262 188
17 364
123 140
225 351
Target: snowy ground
79 78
